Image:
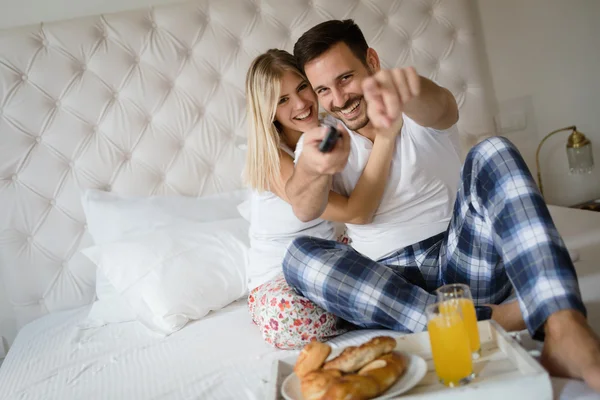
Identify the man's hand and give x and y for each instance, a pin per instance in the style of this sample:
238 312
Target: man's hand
314 162
390 93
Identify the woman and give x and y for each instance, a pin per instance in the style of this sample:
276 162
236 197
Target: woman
281 105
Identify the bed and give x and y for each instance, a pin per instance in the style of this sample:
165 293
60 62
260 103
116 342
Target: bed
150 104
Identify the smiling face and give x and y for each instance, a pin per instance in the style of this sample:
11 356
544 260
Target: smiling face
297 107
336 77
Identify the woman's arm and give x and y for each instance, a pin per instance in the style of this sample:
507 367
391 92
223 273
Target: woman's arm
364 200
359 208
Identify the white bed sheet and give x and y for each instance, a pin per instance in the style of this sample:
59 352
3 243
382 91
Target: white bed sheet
219 357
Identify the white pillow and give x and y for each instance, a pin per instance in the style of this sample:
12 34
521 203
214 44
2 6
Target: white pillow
177 273
245 209
111 216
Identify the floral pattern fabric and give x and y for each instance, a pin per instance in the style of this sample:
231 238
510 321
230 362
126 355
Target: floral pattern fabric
289 321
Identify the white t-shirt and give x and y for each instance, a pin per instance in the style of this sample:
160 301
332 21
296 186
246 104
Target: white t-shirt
273 225
419 196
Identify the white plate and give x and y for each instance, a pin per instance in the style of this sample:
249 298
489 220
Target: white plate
417 368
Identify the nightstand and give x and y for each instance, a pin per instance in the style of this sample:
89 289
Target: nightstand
592 205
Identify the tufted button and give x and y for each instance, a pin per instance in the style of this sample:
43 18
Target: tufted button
65 264
385 20
127 156
107 188
83 67
136 59
189 53
115 95
153 25
211 169
15 177
57 104
29 239
85 226
52 202
149 119
94 128
38 139
172 84
105 35
24 78
71 164
45 43
464 87
310 3
431 11
454 34
162 177
181 143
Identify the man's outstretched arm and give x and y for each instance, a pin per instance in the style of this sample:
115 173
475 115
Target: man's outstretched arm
308 187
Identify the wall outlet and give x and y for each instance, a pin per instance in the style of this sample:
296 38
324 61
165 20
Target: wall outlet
511 122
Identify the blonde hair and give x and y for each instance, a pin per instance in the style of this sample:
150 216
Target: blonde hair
263 82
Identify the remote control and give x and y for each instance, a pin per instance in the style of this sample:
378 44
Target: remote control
329 140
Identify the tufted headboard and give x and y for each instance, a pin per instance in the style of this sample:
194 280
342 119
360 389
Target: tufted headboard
152 102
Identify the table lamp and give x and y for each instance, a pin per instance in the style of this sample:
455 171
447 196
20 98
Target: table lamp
579 153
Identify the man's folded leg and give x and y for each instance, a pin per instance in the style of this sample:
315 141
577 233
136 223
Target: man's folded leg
361 291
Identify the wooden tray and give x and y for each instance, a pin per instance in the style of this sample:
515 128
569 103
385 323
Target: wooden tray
505 370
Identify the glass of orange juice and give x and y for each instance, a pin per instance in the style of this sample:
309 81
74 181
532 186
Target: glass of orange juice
459 295
450 345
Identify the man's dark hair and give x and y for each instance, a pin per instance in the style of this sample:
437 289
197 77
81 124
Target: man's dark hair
320 38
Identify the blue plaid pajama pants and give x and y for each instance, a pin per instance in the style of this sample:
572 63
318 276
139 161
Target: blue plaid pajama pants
501 238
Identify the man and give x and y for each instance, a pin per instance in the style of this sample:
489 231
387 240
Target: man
486 226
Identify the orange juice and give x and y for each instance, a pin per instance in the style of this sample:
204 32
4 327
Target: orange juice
470 318
450 348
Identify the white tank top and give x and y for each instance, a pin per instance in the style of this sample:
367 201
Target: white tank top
273 226
419 196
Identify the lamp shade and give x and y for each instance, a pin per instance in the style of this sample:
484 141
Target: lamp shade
579 153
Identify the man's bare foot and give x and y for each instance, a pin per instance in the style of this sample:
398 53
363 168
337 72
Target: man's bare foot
571 349
508 316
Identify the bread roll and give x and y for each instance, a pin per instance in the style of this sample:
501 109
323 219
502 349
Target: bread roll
385 370
311 358
354 358
352 387
314 384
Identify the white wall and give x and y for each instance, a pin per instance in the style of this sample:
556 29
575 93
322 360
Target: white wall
544 58
24 12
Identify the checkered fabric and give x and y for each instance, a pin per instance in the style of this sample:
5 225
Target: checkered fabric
501 238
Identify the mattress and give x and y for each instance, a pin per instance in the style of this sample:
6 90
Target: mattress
221 356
